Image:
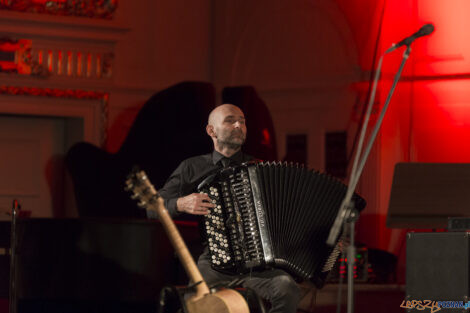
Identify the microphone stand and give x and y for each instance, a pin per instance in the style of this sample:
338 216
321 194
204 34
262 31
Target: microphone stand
347 213
12 296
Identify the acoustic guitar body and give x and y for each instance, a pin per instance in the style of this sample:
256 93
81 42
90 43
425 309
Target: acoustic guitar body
223 301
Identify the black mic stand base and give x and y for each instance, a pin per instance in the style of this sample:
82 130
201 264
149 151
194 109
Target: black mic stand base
12 305
351 253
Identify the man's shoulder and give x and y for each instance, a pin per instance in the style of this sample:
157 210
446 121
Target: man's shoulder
198 158
207 158
248 157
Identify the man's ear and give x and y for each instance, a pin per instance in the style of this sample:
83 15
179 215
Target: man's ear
210 130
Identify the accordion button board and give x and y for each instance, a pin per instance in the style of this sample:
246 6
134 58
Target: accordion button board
232 243
273 214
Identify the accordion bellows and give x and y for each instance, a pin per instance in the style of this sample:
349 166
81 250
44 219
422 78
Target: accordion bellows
273 214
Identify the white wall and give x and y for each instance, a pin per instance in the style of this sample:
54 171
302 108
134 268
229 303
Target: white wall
300 57
167 42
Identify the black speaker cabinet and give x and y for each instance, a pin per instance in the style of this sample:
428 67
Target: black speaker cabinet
437 268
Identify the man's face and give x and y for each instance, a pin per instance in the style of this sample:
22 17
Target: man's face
230 128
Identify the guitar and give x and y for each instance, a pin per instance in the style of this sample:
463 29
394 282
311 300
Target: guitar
203 301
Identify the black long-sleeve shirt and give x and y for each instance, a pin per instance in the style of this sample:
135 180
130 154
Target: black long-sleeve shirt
191 172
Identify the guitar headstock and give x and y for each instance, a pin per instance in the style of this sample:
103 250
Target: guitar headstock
142 190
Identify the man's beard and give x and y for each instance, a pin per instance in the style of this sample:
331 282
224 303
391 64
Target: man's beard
230 141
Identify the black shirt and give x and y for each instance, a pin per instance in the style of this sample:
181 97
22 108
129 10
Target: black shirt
190 173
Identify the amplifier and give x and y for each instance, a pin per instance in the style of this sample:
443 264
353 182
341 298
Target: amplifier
361 266
458 223
437 268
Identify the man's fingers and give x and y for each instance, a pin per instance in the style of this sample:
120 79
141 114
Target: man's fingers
200 211
201 208
208 204
206 200
204 196
198 204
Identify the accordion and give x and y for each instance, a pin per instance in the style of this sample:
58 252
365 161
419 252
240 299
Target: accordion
276 215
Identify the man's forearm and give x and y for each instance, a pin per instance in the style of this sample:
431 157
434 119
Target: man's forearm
171 206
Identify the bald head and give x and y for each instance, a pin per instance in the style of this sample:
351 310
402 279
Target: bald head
223 110
226 126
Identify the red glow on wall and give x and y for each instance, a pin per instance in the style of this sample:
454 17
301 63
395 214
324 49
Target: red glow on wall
447 51
438 72
441 123
428 119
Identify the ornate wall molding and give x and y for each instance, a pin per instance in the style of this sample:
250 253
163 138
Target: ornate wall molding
44 59
103 9
103 97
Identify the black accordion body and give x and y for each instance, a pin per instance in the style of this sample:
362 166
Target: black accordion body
273 214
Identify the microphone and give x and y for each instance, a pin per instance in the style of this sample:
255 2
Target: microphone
423 31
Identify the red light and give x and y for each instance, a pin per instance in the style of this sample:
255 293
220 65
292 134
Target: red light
266 138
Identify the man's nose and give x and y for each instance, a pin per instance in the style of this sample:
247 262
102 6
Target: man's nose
237 124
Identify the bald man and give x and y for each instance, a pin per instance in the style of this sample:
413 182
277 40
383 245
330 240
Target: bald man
227 129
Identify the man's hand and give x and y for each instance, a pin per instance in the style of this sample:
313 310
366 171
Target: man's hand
195 203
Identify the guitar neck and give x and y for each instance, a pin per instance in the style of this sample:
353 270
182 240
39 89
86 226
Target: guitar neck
181 249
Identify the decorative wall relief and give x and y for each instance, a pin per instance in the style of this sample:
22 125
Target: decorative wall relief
103 9
21 56
16 57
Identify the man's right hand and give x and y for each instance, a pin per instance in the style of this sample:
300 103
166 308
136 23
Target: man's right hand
195 203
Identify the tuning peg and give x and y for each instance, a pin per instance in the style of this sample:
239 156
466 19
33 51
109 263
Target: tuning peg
146 191
135 196
143 175
135 169
142 204
129 185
